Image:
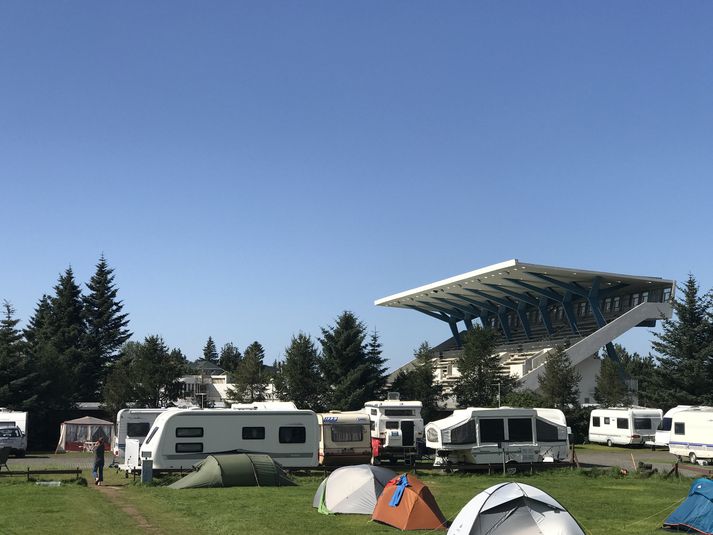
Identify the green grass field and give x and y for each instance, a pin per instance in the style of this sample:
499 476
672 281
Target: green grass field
603 505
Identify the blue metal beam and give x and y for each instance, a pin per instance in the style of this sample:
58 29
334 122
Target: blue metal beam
522 314
438 315
498 300
456 335
576 289
451 312
515 295
545 314
481 305
503 317
569 312
545 292
467 308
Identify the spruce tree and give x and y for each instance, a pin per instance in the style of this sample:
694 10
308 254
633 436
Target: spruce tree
37 330
16 384
684 350
210 352
105 323
229 358
559 381
352 369
298 377
251 379
482 378
610 389
419 384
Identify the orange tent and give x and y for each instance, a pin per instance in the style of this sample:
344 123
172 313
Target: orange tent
417 508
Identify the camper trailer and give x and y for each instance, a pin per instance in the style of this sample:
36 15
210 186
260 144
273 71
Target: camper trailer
344 438
624 425
15 436
506 434
180 438
692 434
132 423
396 426
663 431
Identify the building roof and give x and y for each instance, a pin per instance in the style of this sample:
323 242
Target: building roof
513 280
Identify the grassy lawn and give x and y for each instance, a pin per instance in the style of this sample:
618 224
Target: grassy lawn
602 505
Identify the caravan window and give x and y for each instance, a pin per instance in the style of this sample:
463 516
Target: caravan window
137 429
464 434
293 435
665 425
189 447
622 423
253 433
546 432
492 430
642 423
606 420
679 428
347 433
398 412
153 432
520 429
392 425
189 432
595 421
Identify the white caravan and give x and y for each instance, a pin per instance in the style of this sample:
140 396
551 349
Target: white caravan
132 423
495 435
17 420
692 434
663 431
344 438
395 427
180 438
624 425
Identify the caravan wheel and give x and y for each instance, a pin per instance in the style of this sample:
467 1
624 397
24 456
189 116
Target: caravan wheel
692 457
609 442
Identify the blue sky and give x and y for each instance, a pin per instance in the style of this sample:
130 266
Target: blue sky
252 169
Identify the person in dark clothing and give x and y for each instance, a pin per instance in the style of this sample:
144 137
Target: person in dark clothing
98 471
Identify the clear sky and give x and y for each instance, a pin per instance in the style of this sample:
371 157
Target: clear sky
252 169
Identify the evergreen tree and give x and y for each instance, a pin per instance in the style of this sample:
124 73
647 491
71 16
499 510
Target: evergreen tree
684 350
482 378
559 381
251 378
352 369
419 383
147 375
643 370
105 323
610 389
37 330
210 352
298 378
523 398
15 380
229 358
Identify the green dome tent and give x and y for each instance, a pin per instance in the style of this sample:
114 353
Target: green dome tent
235 470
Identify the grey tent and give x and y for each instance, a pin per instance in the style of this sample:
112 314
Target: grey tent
352 489
509 508
235 470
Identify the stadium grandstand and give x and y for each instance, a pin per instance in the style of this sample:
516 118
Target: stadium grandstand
536 308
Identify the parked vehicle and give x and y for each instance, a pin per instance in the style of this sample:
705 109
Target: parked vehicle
624 425
663 431
396 426
17 420
133 423
495 435
344 438
13 438
180 438
692 434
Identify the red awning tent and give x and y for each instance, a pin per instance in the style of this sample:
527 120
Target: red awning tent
82 433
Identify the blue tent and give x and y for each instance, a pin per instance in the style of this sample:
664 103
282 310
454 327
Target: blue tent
696 512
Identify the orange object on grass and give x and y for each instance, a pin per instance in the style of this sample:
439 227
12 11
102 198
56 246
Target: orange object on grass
416 510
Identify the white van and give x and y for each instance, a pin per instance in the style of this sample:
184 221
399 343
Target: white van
624 425
493 435
132 423
395 427
344 438
692 434
17 420
180 438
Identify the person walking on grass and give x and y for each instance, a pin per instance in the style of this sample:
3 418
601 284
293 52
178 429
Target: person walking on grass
98 470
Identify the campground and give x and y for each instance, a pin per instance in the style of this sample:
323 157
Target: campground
600 500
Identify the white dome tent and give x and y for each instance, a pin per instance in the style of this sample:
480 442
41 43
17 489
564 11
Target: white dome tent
508 508
352 489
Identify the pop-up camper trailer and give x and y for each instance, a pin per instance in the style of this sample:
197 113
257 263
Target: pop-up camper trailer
181 438
494 435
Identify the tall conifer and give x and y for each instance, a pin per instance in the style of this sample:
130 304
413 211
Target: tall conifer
299 378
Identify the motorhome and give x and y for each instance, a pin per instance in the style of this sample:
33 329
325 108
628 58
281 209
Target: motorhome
494 435
180 438
663 431
396 426
132 423
344 438
17 420
624 426
692 434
